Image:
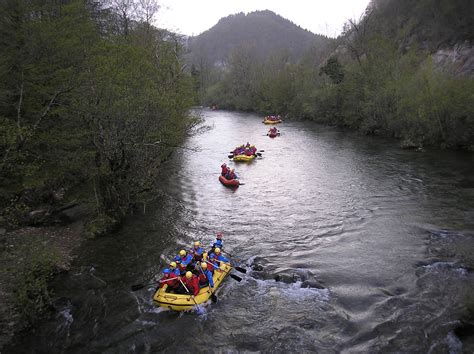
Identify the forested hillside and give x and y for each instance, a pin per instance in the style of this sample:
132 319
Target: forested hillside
404 70
264 32
238 45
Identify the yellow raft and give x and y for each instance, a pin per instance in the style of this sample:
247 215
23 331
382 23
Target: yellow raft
244 158
268 121
183 302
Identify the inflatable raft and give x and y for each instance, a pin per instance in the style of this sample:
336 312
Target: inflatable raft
229 182
269 121
183 302
273 135
245 158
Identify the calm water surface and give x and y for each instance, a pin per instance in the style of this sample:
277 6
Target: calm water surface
351 245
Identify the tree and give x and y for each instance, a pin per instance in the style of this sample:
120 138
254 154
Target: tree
333 69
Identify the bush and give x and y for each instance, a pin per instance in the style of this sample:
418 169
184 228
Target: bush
32 294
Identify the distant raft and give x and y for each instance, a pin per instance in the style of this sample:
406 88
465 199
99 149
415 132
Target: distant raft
183 302
244 158
273 135
229 182
272 120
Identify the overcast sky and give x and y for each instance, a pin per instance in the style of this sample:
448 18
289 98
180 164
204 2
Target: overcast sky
192 17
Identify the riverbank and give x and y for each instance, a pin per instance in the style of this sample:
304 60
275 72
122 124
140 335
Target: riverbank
30 256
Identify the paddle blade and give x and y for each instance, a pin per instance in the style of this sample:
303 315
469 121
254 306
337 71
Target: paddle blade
213 298
262 150
230 156
241 270
235 277
137 287
259 154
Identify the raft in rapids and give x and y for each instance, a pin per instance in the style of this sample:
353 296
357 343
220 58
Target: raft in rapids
183 302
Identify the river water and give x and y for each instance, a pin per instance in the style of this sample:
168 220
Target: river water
351 245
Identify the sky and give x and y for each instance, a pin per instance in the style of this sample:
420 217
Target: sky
192 17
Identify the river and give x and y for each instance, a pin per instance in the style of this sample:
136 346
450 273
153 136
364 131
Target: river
350 244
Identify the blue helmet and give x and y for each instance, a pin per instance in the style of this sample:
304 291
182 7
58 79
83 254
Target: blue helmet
166 271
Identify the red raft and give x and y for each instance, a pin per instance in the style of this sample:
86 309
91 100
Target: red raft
273 135
229 182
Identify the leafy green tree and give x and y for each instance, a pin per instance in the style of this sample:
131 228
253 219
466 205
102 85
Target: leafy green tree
333 69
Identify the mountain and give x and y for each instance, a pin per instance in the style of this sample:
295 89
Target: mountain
263 32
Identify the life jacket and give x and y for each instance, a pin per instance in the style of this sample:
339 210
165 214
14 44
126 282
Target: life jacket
224 169
186 260
216 259
231 175
192 284
210 267
172 283
197 253
174 272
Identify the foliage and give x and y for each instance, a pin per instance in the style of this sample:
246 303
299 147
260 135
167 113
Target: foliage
89 92
258 37
333 69
32 294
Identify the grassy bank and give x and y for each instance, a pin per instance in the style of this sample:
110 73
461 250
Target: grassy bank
30 257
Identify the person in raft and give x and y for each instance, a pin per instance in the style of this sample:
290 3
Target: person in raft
191 282
197 252
231 174
273 130
224 169
185 261
217 243
216 257
173 267
205 276
171 279
210 266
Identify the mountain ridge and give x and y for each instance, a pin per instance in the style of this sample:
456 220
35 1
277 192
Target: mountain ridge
263 32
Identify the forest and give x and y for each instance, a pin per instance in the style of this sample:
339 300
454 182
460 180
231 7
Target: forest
93 98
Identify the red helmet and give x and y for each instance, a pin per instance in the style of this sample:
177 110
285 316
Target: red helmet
219 235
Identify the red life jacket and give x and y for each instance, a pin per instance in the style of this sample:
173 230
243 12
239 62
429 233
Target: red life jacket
210 267
192 284
172 283
202 279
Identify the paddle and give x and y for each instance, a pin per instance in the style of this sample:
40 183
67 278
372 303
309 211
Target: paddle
241 270
233 276
140 286
185 288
